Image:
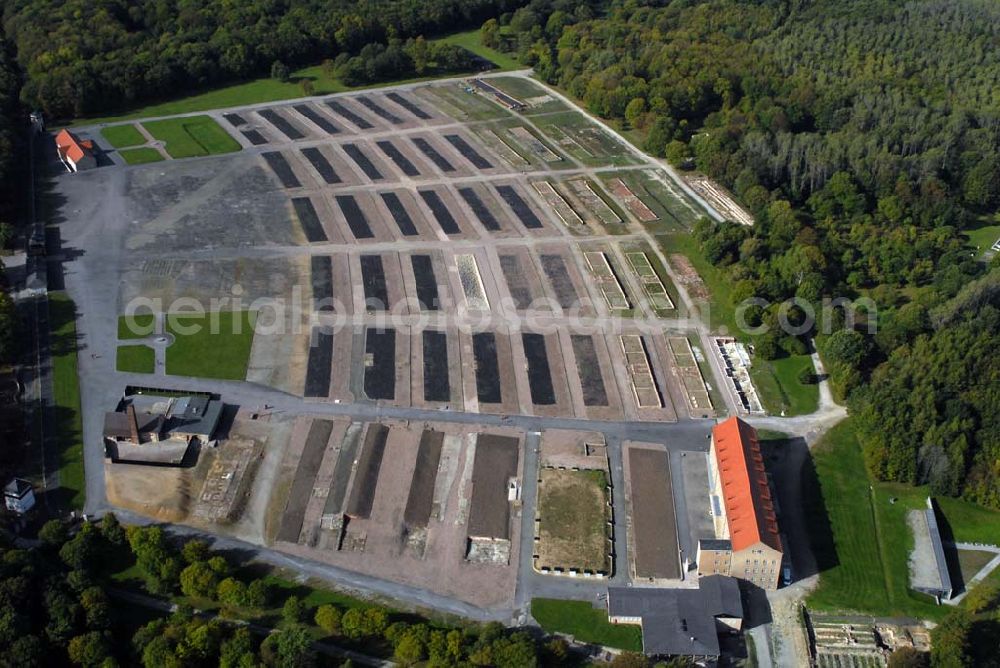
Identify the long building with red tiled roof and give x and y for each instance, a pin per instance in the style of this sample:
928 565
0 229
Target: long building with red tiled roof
75 153
747 543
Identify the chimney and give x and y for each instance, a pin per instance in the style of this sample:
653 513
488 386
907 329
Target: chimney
133 425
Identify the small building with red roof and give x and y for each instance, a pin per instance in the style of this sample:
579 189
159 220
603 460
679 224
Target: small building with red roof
747 544
76 154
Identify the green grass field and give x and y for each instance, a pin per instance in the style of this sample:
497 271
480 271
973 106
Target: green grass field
861 539
137 326
135 359
141 156
719 314
981 238
65 413
220 348
192 136
779 388
121 136
469 41
585 623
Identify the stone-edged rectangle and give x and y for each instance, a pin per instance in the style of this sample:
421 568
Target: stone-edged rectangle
354 216
399 214
468 152
279 165
539 373
378 110
409 106
362 161
302 483
443 217
344 112
494 466
484 352
644 389
280 122
306 213
432 153
321 273
472 282
587 365
321 164
319 365
397 157
420 501
362 498
520 207
426 282
436 386
342 472
555 270
373 280
517 281
479 208
254 137
235 119
380 364
653 520
318 119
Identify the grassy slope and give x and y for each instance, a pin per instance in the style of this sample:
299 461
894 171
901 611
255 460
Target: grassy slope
585 623
271 90
223 353
121 136
65 415
192 136
863 556
135 359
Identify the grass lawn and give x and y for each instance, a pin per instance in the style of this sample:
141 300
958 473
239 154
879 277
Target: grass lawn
720 315
141 156
981 238
213 345
779 388
585 623
64 417
861 539
572 506
137 326
191 136
121 136
469 41
135 359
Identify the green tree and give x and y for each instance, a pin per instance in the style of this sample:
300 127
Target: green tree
489 34
195 550
908 657
90 649
328 618
294 610
280 71
53 533
199 580
951 641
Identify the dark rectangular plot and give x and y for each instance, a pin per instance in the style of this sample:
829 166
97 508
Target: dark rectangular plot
282 169
380 375
280 122
555 269
520 207
321 273
235 119
320 120
471 154
397 157
306 213
319 365
427 287
653 514
539 374
362 160
355 217
359 505
484 350
432 153
340 109
444 218
479 208
420 501
517 282
378 110
373 280
254 137
399 214
594 393
342 471
409 106
322 165
436 386
302 484
494 466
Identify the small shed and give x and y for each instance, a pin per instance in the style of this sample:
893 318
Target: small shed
19 496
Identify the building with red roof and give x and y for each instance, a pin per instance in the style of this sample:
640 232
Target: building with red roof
747 544
75 153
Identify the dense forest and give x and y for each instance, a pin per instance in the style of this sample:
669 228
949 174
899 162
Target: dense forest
864 136
85 56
